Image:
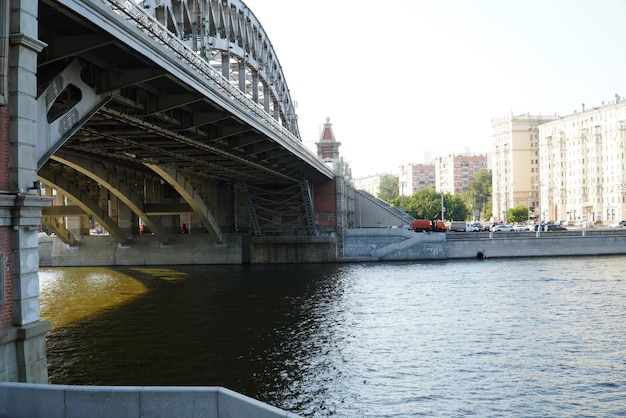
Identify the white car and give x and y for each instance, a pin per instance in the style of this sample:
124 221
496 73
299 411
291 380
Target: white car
521 228
502 228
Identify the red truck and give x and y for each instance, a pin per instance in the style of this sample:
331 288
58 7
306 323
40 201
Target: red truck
426 225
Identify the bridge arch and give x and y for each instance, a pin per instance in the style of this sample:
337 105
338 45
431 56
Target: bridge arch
81 199
99 173
228 35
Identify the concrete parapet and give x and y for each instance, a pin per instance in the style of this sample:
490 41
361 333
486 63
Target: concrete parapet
548 245
61 401
380 244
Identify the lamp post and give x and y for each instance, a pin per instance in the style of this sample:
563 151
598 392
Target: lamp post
539 217
402 200
442 208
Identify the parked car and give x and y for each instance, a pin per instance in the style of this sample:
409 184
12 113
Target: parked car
521 228
502 228
474 227
619 224
554 228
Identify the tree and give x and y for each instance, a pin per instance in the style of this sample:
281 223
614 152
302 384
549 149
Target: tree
388 188
518 214
425 204
455 207
481 190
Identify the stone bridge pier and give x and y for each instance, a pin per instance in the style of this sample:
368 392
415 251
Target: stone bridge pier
22 332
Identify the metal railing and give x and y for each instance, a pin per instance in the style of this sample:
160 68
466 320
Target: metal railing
155 30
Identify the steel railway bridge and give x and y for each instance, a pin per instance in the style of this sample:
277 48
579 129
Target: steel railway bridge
141 116
162 112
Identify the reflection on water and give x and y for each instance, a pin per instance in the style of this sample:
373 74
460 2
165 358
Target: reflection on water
531 337
83 292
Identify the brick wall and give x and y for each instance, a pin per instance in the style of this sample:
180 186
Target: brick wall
325 204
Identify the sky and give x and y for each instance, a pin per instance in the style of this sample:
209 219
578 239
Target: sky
399 79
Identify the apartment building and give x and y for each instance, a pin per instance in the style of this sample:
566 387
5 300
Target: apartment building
582 165
455 172
414 177
370 184
516 163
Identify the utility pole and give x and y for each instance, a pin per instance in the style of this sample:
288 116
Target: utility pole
442 208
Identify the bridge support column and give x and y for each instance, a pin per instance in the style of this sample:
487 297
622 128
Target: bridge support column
22 333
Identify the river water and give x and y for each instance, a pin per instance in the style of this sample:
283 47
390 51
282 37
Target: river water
527 337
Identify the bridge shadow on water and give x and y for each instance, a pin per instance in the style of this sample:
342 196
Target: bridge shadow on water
253 329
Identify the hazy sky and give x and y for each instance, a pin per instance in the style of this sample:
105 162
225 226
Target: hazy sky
401 78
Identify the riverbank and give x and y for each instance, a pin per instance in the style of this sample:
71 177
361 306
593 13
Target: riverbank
365 244
403 245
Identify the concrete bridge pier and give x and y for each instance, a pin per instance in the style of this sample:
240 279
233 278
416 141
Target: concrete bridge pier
22 333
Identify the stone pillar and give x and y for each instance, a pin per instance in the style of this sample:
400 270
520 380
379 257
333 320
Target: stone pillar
29 344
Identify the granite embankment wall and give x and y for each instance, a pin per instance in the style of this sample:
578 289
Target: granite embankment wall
102 250
32 400
379 244
366 244
371 244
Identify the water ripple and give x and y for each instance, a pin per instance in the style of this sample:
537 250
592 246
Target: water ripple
499 338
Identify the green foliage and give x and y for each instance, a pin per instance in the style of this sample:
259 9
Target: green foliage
388 188
455 207
481 191
426 204
518 214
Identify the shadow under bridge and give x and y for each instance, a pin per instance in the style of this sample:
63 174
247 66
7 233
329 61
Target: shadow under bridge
148 118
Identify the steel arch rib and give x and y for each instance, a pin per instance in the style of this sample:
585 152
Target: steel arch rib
83 201
104 177
189 194
228 26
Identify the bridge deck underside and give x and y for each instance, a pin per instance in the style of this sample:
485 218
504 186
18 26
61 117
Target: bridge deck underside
153 116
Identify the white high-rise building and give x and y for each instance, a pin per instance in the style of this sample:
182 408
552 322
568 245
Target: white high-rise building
515 163
582 162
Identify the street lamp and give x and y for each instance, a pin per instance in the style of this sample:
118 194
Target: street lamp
402 200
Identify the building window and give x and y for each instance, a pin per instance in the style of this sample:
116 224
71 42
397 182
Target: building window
4 50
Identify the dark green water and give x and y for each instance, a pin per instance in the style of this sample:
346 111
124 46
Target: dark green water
529 337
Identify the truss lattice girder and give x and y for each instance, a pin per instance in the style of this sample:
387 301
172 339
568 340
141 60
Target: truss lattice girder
82 199
279 209
108 179
81 104
186 190
229 26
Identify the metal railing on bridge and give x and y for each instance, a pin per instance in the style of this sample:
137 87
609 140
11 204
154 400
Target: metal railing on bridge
153 28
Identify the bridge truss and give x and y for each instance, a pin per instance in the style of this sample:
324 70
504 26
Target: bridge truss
186 93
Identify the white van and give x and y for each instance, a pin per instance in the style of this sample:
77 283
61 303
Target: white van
472 227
